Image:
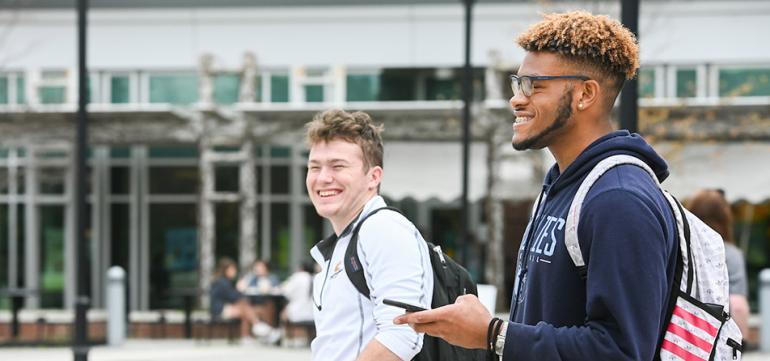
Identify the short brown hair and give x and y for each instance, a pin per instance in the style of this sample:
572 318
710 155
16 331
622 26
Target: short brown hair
712 208
597 42
222 265
356 127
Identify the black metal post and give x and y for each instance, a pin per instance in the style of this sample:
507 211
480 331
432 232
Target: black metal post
467 94
16 302
629 107
188 304
80 339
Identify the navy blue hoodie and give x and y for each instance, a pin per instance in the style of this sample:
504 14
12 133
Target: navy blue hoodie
627 236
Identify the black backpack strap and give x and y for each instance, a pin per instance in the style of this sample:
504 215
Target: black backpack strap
353 266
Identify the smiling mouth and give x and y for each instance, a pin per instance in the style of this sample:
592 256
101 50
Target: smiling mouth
331 193
521 120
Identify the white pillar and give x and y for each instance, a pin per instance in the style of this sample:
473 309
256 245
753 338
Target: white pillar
116 306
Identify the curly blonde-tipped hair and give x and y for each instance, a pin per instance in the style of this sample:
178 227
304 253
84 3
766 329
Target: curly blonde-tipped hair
597 41
356 127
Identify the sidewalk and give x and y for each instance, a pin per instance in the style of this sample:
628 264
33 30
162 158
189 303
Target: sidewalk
182 350
162 350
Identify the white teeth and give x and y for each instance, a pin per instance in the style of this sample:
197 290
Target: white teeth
327 193
520 120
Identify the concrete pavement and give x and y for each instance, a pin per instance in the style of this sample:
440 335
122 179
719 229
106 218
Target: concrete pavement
183 350
162 350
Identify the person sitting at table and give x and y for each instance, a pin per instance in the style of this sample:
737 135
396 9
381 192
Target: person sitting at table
299 310
228 303
259 280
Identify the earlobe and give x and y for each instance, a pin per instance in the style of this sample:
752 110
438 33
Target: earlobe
589 94
376 176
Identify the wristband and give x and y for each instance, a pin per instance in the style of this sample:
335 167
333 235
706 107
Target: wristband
494 325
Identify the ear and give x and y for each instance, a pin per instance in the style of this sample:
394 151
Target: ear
588 94
375 177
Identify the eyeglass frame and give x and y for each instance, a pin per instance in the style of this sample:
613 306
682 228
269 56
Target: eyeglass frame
516 82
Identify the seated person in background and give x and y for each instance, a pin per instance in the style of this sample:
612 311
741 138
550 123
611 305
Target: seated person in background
298 292
259 281
712 208
228 303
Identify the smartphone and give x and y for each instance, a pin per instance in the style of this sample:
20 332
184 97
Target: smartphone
406 306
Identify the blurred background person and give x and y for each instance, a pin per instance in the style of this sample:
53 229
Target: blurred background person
259 279
228 303
713 209
299 310
260 282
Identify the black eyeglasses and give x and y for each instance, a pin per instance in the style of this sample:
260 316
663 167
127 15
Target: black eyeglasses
525 84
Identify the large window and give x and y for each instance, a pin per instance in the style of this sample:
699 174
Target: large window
363 87
12 83
173 180
314 93
173 252
181 88
752 227
53 88
21 95
226 88
646 83
279 236
120 89
686 83
744 82
279 88
227 216
52 256
4 90
427 84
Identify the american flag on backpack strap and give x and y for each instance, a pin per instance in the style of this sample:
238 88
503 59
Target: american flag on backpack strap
691 334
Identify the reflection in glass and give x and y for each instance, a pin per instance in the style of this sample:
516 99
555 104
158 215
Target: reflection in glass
686 80
279 88
119 236
52 256
744 82
279 237
227 230
226 178
179 88
173 252
52 180
173 180
120 90
120 180
279 179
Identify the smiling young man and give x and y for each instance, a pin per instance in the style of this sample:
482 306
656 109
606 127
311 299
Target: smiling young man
575 65
343 179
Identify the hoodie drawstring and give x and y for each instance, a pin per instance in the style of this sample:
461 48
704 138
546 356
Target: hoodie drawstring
527 245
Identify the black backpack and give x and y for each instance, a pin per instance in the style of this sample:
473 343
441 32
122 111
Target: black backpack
450 280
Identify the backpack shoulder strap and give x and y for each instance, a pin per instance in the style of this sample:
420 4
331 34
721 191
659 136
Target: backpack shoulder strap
573 217
353 266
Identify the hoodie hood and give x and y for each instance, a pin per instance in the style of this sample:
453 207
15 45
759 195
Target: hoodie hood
614 143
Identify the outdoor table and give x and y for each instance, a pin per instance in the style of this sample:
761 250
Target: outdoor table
277 299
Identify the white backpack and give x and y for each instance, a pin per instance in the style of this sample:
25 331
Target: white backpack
699 323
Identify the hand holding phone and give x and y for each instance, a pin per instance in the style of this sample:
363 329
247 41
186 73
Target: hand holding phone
405 306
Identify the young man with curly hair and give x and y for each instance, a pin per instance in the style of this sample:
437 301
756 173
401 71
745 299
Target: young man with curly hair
575 65
344 173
